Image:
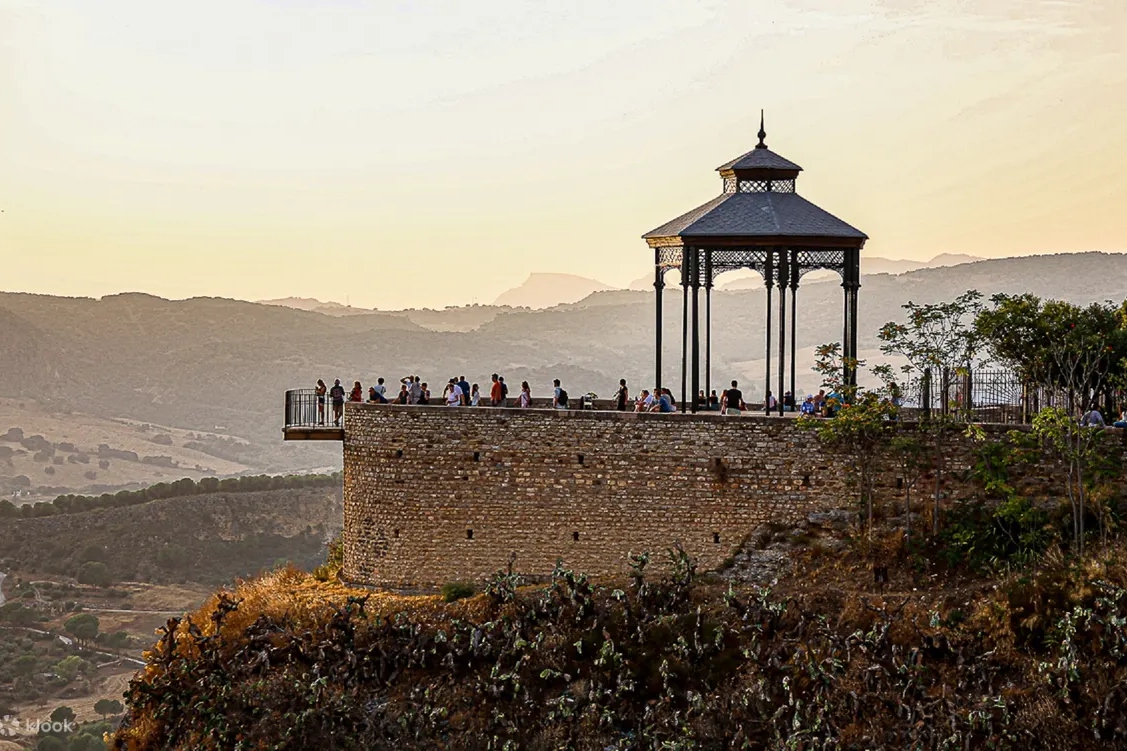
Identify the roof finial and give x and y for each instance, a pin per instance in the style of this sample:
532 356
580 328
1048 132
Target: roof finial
762 133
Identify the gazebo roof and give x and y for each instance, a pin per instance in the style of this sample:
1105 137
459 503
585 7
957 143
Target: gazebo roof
757 215
760 157
759 202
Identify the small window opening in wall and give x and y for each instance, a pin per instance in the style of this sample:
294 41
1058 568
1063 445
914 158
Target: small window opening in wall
575 537
581 458
399 454
806 481
716 537
469 534
395 534
899 483
477 456
717 462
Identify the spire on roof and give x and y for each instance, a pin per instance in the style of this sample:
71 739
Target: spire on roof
762 133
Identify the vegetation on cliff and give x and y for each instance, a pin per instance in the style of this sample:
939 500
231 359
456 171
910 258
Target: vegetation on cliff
1034 660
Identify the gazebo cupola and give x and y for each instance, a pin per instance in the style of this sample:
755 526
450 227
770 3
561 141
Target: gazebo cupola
759 170
758 222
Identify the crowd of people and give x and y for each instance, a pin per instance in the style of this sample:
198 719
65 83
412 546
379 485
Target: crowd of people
458 392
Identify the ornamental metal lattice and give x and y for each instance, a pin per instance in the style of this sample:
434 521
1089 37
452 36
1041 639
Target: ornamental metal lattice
813 260
782 186
730 184
669 257
753 186
738 258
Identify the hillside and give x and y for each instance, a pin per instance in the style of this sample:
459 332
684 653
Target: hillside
210 538
219 367
822 660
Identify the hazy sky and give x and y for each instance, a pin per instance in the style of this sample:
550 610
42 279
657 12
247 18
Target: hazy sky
425 153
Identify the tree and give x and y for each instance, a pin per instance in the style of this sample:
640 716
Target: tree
85 742
935 336
70 667
83 627
107 707
50 743
25 664
1047 342
95 573
909 455
859 430
63 714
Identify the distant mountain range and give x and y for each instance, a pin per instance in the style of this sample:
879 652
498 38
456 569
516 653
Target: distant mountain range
219 367
545 290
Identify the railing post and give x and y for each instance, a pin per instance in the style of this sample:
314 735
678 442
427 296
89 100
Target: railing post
925 393
945 386
968 391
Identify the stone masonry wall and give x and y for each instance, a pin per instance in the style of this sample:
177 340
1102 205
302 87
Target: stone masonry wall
435 494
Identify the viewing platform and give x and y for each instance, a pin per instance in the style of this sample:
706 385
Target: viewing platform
310 418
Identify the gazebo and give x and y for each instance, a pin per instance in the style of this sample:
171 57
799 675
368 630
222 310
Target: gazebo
758 222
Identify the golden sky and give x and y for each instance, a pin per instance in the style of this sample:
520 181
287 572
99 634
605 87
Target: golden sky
423 153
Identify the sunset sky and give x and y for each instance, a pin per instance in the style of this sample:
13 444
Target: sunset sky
423 153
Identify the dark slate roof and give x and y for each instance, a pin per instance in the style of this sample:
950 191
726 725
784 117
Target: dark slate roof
759 158
757 214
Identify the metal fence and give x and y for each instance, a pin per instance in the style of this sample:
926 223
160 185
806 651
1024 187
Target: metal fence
305 409
992 395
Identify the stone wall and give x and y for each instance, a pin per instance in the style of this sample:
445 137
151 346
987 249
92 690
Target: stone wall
434 494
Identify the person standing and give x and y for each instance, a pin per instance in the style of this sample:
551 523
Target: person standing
336 393
475 396
357 394
769 403
559 396
496 395
320 391
504 391
621 396
381 391
464 385
525 399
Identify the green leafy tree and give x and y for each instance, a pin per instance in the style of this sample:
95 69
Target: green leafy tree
95 573
860 429
51 743
1052 344
83 627
107 707
1077 448
63 714
25 664
935 337
71 667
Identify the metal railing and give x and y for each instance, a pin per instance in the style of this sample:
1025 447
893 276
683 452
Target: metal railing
988 395
305 409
